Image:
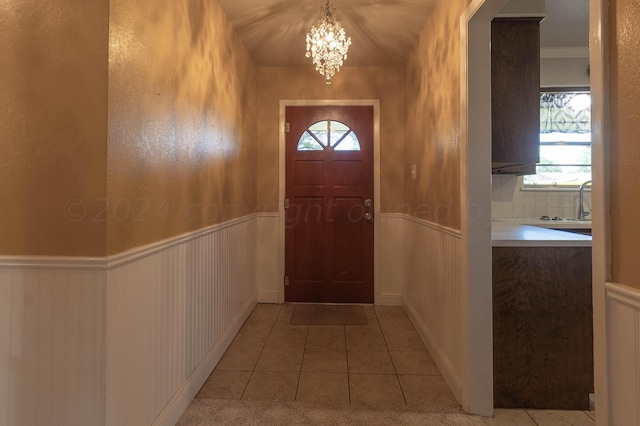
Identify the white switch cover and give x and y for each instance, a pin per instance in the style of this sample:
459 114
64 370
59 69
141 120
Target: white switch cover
414 172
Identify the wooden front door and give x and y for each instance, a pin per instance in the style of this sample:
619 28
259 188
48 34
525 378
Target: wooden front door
329 204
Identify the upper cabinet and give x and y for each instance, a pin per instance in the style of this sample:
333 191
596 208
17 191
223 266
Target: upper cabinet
515 95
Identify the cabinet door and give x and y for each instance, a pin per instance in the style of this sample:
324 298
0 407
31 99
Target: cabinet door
515 99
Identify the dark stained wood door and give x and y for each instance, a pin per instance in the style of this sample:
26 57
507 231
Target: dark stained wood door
329 191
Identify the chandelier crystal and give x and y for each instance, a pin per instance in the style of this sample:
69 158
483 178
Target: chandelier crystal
327 44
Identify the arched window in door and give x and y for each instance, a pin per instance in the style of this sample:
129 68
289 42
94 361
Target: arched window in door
328 135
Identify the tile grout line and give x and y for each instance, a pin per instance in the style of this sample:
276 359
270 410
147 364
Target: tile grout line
395 370
531 417
386 344
304 350
253 370
346 355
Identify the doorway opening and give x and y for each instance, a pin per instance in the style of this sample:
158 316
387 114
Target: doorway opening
476 192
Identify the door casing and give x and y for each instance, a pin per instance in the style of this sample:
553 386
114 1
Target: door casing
375 103
475 30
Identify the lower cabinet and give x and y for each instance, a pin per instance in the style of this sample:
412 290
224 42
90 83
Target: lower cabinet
542 327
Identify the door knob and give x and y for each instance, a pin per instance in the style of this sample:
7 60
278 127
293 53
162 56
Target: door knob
369 215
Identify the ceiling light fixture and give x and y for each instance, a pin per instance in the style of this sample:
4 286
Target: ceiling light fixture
327 43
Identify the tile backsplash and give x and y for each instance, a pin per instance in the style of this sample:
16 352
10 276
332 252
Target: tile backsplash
510 201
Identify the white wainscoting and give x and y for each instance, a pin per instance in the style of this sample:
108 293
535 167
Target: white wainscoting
268 260
52 324
392 250
172 311
431 293
623 335
127 340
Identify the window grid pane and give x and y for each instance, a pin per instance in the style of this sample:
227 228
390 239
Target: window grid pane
308 143
565 140
349 143
327 133
565 112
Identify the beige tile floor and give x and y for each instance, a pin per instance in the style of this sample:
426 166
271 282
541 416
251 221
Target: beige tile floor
382 365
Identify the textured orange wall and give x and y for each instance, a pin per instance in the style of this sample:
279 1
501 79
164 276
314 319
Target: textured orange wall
432 125
625 147
182 121
53 126
383 83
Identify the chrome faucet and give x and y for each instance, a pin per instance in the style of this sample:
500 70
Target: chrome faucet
582 215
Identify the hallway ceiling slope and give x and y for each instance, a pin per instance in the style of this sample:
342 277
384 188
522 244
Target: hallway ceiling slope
382 31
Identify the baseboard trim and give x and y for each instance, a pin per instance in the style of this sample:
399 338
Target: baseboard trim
268 296
183 397
390 299
446 368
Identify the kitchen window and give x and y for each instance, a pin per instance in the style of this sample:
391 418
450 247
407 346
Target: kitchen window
565 139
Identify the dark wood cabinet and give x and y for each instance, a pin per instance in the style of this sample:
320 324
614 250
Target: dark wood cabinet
542 327
515 95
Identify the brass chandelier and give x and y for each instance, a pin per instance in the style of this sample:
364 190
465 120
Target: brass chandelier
327 43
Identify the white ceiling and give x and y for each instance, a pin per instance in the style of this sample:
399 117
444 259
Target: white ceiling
566 24
382 31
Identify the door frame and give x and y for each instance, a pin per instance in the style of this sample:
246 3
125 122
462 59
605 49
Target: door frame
475 206
601 252
475 143
375 103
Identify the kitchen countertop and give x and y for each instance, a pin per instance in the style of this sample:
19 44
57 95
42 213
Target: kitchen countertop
511 233
556 224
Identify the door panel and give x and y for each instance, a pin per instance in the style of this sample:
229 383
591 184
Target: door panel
328 239
309 173
348 173
348 239
309 230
